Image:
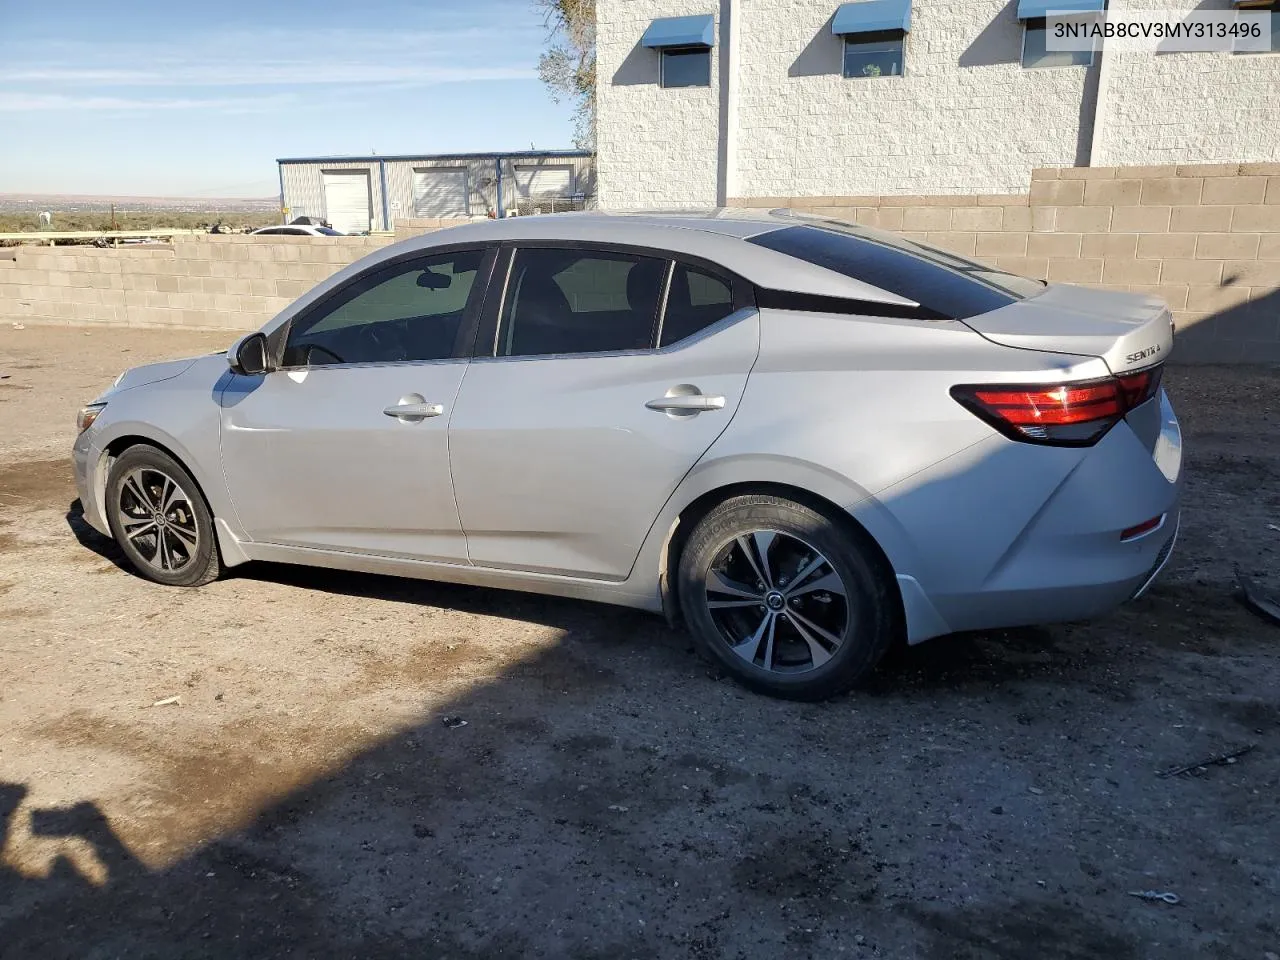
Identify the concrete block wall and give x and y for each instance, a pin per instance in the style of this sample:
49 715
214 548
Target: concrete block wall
1205 238
200 283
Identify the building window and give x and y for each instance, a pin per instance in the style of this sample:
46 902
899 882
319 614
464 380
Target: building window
1035 36
684 49
685 68
1274 10
874 54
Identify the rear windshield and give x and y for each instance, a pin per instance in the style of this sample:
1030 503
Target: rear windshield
943 282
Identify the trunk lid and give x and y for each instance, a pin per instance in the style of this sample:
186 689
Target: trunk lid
1128 331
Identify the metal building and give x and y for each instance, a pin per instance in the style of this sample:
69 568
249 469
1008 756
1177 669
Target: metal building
359 194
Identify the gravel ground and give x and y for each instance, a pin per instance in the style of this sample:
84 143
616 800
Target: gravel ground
991 795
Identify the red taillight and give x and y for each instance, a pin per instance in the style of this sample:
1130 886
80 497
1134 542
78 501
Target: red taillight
1067 414
1141 386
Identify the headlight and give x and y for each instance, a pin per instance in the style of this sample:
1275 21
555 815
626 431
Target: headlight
88 413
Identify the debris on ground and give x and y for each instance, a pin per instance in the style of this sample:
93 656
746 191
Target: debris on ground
168 702
1152 896
1215 761
1256 600
453 722
19 326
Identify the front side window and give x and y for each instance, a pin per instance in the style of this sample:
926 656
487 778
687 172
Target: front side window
1035 54
686 68
408 311
874 54
696 300
579 301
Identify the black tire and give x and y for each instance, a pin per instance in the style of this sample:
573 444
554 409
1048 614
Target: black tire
775 665
178 549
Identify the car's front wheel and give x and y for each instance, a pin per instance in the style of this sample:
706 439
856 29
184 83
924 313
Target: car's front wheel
159 518
784 598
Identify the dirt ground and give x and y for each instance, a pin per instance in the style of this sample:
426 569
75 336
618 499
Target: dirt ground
990 795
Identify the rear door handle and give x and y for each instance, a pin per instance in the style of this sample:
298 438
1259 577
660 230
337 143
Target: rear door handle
414 412
688 403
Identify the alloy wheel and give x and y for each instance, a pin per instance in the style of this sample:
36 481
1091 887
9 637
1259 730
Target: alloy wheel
777 601
157 519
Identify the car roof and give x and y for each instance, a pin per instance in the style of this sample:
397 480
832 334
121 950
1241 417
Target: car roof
714 235
740 223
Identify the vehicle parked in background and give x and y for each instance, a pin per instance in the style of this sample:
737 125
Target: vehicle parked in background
297 230
803 438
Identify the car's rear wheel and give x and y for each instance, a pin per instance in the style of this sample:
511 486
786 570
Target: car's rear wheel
159 518
785 599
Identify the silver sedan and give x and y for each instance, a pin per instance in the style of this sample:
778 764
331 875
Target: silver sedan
804 439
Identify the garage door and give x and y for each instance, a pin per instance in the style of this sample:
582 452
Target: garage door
346 201
440 192
535 182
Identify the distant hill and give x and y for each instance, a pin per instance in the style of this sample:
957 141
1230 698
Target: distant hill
33 203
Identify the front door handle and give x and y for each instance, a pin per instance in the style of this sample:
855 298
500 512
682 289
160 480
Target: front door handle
687 403
413 409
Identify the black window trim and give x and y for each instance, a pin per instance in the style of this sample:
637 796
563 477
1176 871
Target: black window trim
662 67
820 303
485 346
1042 23
873 36
465 339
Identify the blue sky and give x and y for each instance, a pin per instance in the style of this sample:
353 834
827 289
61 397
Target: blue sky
181 98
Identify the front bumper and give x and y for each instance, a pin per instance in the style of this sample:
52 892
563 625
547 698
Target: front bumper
85 459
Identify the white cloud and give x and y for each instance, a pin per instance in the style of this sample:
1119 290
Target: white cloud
278 73
271 57
32 102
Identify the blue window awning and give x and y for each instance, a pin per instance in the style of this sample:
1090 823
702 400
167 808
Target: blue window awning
872 16
681 32
1039 9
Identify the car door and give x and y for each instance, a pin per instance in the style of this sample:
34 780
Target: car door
575 429
345 446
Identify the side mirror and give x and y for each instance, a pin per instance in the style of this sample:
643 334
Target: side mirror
248 355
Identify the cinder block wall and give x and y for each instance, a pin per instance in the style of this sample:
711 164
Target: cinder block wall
1205 238
209 282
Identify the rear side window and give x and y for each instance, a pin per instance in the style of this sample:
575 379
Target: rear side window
579 301
948 285
696 300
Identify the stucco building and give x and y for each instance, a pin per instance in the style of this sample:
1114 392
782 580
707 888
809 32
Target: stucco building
703 102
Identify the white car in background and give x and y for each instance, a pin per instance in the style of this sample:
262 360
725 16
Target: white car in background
297 230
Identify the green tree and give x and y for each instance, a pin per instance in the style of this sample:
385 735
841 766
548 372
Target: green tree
568 67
